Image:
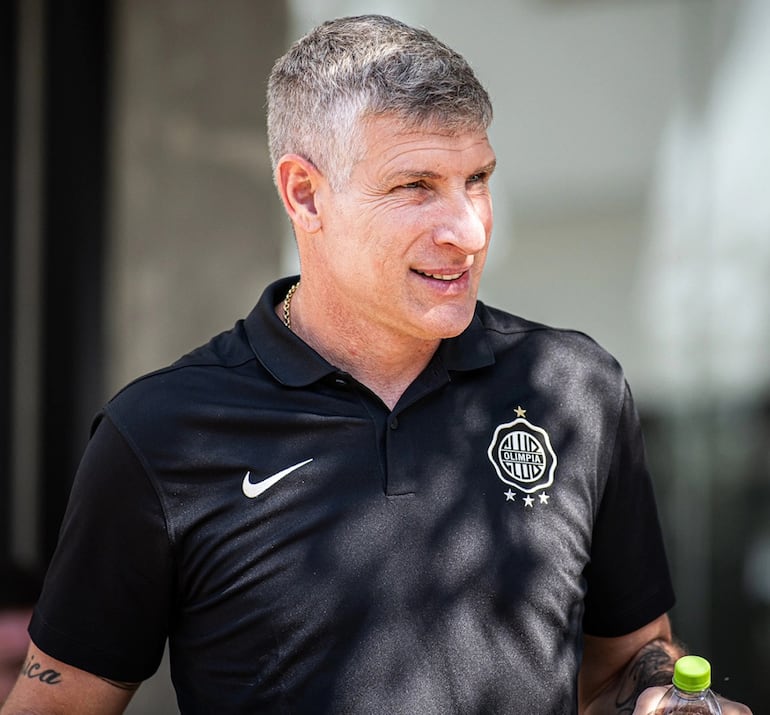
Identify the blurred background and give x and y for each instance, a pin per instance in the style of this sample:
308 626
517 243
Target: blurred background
138 218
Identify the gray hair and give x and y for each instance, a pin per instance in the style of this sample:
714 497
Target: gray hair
353 68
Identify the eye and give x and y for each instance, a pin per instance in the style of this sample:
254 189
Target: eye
479 178
413 185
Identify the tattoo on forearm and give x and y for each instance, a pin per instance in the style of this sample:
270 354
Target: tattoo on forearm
34 671
653 666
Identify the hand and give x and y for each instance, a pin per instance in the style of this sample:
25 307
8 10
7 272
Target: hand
647 703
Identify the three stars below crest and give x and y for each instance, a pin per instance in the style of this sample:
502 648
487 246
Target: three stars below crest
529 500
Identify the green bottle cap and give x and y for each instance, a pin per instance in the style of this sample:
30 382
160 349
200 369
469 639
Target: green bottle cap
692 673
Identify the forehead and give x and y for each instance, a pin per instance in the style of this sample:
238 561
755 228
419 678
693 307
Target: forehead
388 144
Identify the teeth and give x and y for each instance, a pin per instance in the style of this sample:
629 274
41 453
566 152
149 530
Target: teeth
451 277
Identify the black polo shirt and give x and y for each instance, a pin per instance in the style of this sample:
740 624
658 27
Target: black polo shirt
307 550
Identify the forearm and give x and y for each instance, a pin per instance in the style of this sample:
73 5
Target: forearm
638 686
652 665
47 686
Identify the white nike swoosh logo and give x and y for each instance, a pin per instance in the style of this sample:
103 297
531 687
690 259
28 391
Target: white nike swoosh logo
252 490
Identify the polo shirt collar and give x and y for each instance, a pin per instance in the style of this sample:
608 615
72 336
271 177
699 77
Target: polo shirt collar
470 350
294 363
285 356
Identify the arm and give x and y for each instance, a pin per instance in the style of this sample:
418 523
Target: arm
628 675
616 670
47 686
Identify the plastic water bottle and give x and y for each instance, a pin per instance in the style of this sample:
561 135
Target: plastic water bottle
690 692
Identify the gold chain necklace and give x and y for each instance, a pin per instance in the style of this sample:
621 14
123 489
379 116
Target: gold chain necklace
287 305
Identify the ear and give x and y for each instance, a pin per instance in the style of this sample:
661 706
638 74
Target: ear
298 181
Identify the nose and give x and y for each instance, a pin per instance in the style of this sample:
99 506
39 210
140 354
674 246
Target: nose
464 221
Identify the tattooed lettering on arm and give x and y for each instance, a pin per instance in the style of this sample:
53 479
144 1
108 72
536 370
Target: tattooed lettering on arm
653 666
34 671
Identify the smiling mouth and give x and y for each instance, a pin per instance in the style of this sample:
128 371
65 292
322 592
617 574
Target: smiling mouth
442 277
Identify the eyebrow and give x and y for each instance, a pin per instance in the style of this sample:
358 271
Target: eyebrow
487 168
416 174
411 174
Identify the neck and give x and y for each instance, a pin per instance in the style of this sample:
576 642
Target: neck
386 362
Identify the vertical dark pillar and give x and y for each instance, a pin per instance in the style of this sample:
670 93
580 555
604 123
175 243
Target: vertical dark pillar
8 73
77 51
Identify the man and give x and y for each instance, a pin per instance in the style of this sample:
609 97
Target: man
19 590
374 494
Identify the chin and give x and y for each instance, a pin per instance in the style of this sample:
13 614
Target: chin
450 327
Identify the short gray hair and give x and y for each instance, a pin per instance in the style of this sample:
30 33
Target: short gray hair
353 68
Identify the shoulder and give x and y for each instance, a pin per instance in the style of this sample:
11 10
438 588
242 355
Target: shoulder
197 379
544 346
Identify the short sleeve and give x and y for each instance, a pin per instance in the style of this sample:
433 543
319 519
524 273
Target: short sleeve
106 599
628 578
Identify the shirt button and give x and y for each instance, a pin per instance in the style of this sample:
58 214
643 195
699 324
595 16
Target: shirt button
394 423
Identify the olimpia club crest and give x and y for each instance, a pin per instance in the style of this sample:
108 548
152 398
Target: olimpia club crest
522 455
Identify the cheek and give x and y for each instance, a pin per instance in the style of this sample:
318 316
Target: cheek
414 226
388 236
381 236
